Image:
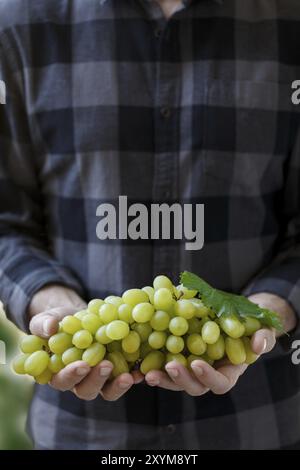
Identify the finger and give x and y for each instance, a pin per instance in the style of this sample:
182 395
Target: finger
89 388
181 377
158 378
263 341
218 381
45 324
70 376
114 390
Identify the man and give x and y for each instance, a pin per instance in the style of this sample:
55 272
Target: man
159 101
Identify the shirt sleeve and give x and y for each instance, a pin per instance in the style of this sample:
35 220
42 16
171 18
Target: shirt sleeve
282 276
26 262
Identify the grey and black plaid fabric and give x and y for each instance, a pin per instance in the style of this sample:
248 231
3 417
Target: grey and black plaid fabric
106 98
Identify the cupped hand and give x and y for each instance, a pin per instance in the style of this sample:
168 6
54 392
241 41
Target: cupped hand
85 382
203 377
223 376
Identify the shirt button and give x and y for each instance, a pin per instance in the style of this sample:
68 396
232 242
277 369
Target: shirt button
165 112
171 428
158 33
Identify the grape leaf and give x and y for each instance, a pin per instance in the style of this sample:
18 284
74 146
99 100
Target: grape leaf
224 303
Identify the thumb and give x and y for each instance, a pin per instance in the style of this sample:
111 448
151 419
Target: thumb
45 324
263 341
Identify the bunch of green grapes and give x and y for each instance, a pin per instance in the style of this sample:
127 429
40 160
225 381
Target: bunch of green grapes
144 329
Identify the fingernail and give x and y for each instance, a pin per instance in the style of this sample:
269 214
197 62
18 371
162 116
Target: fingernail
82 371
172 372
105 371
124 385
264 345
153 383
47 327
198 369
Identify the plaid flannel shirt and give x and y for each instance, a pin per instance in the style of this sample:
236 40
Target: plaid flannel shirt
107 98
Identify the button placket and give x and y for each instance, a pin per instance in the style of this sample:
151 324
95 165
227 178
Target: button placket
165 164
165 111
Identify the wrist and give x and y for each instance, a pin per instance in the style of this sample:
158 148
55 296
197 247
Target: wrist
278 305
53 296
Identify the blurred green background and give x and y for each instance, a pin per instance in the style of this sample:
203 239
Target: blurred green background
15 393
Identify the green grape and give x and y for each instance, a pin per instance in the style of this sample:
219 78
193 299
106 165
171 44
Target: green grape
133 297
203 321
217 350
163 299
101 335
71 355
195 344
235 350
177 358
44 378
36 363
186 293
82 339
153 361
251 326
125 313
160 320
132 357
70 324
178 326
32 343
251 357
232 326
55 364
18 363
200 310
210 332
81 314
174 344
114 346
117 329
94 354
114 300
131 343
162 282
157 339
108 313
194 325
172 313
60 342
94 306
150 292
143 329
143 312
145 349
119 363
185 308
91 323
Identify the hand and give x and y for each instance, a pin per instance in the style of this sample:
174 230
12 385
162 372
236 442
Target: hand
55 302
204 377
224 377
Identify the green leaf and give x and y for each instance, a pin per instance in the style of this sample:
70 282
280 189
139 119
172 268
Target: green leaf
224 303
